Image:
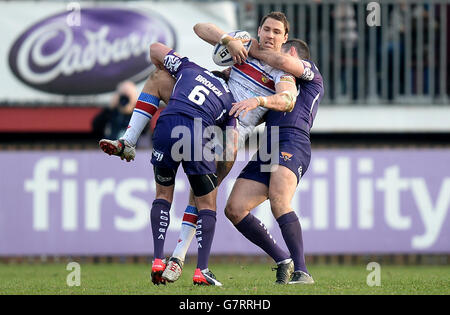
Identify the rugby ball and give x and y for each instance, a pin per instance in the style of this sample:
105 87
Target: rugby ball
221 55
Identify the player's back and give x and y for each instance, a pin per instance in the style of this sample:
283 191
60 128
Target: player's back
311 91
197 92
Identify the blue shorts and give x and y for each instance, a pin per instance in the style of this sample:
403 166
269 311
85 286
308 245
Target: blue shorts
185 147
293 152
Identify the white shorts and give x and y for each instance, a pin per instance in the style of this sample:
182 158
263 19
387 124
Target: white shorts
247 124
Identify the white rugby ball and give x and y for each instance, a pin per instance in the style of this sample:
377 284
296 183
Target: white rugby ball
221 55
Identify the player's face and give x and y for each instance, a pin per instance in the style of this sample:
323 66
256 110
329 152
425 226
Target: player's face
271 34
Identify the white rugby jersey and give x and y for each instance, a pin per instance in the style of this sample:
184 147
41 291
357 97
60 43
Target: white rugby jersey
250 79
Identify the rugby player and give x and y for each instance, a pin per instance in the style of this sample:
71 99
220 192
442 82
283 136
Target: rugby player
249 77
197 94
254 185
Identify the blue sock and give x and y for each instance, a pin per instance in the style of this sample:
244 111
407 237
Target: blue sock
160 219
206 226
292 235
256 232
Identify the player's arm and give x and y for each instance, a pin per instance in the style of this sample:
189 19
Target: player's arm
278 60
212 34
283 101
158 52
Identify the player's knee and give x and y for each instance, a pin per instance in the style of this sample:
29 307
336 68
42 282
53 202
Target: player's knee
232 212
155 76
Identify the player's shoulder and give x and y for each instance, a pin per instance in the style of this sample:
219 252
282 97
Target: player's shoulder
262 66
174 62
311 72
311 65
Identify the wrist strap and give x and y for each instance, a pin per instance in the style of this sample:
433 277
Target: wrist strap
262 101
226 39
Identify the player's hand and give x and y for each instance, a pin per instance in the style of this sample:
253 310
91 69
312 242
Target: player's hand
243 106
237 50
254 49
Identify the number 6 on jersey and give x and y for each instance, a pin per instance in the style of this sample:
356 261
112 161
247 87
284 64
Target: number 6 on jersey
196 96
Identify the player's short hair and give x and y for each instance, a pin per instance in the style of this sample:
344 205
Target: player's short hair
221 75
300 46
279 16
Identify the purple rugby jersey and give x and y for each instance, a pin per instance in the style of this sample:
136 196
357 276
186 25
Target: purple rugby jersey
310 86
198 93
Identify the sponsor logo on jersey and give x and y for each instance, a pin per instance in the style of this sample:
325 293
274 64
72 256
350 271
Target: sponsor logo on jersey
286 156
255 75
158 155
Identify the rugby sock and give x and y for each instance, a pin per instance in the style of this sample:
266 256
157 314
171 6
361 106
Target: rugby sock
206 225
292 235
256 232
187 232
145 108
160 219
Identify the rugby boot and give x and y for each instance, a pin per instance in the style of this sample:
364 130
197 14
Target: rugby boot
158 267
205 277
300 277
173 270
284 272
118 147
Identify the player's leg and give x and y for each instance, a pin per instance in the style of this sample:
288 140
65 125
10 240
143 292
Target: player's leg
203 181
245 196
223 167
165 169
160 219
189 224
188 227
205 194
283 184
160 84
158 87
159 214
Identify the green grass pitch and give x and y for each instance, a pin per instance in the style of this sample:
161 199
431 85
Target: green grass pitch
237 279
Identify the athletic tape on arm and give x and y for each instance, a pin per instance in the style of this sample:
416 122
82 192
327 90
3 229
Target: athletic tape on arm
290 99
